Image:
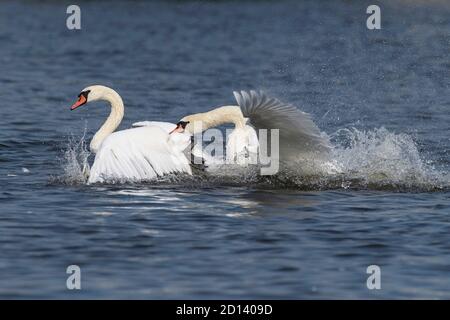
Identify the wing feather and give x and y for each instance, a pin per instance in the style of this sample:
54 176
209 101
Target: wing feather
137 154
299 135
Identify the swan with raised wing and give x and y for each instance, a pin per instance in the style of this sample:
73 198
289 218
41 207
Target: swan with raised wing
135 154
300 140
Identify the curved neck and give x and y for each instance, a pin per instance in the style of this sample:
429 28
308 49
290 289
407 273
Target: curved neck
217 117
113 121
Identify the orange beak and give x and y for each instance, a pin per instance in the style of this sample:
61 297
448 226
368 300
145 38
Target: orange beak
81 100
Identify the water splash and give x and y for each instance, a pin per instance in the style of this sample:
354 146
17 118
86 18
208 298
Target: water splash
363 159
74 161
376 159
382 159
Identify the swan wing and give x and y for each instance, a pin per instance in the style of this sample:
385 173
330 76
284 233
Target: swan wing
137 154
179 141
299 135
166 126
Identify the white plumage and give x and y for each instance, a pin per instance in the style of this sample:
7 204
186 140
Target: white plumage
299 135
166 126
140 154
242 146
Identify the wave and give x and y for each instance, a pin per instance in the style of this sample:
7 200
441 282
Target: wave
361 160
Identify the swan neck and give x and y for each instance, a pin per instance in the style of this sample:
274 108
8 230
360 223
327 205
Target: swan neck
219 116
112 122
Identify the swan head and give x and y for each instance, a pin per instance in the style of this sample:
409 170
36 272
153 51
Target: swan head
92 93
181 127
192 124
199 122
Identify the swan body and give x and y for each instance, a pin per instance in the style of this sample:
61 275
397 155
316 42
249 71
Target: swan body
136 154
139 154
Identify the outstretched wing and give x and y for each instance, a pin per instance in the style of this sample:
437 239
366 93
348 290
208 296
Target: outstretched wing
299 135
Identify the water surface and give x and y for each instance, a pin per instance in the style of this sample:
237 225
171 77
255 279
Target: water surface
382 96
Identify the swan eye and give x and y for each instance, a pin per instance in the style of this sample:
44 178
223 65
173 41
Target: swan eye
84 94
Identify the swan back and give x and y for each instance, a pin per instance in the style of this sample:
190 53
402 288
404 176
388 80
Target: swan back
166 126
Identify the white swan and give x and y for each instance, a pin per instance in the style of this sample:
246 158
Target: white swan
299 137
135 154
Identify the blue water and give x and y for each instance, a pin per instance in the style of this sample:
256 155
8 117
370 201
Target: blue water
382 96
